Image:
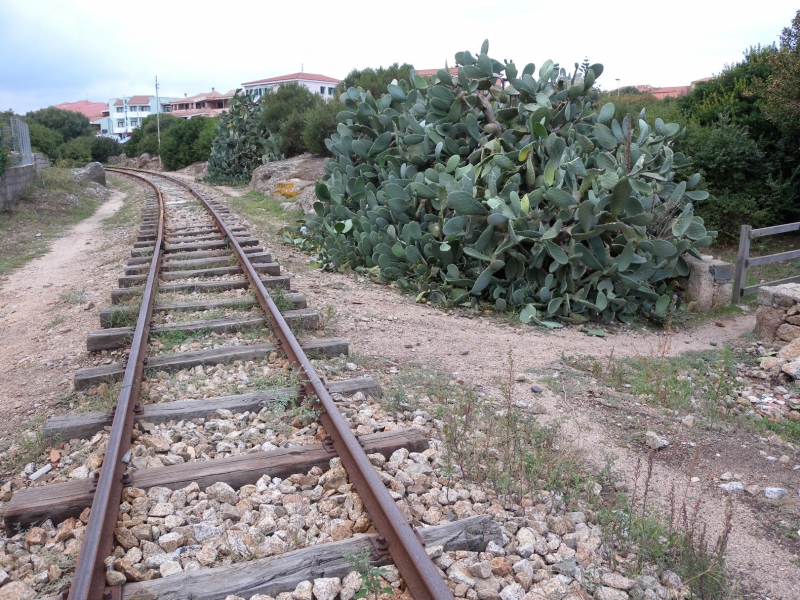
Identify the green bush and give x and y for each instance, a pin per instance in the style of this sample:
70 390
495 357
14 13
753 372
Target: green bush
374 81
320 125
69 124
633 103
145 137
278 104
202 145
524 197
291 131
77 152
179 144
726 211
103 147
45 140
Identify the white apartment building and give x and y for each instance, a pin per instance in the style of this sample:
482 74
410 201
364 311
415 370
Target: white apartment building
319 84
127 113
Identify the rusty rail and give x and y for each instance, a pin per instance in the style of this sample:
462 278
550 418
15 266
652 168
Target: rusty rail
396 536
89 581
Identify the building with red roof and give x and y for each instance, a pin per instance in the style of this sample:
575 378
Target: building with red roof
206 104
91 110
319 84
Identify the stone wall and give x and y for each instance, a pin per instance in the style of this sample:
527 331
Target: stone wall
778 315
14 182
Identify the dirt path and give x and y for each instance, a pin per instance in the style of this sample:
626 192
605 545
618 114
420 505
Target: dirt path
46 309
378 321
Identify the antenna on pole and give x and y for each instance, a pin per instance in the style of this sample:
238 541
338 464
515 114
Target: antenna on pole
158 121
301 67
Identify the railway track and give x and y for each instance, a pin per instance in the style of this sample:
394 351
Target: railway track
208 371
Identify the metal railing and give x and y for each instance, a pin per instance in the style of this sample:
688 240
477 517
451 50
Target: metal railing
16 139
743 260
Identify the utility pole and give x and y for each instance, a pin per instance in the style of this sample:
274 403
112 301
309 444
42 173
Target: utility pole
158 121
617 80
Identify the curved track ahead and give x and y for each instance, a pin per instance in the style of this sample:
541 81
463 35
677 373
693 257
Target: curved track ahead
396 536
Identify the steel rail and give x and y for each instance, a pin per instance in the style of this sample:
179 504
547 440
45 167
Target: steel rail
89 582
397 536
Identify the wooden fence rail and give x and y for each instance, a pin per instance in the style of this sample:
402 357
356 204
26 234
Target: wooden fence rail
743 260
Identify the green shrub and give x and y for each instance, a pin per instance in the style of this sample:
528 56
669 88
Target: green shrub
320 125
69 124
524 197
145 137
726 211
375 81
630 103
77 152
728 157
103 147
202 145
45 140
179 146
278 104
291 131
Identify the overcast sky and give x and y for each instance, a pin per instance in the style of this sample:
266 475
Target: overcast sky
54 51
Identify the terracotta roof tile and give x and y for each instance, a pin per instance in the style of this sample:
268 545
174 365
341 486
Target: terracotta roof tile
92 110
295 77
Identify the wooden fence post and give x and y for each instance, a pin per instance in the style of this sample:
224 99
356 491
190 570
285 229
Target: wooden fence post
741 263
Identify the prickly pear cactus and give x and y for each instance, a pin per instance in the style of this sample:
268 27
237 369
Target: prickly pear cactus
506 186
241 143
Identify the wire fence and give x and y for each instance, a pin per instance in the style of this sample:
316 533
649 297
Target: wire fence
15 140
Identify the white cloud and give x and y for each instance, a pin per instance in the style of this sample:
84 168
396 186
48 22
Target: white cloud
56 51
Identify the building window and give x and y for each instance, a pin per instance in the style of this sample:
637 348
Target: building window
120 109
330 91
322 90
134 122
131 108
220 104
168 108
144 109
120 122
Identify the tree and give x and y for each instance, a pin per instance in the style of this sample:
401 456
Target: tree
375 81
45 140
77 151
320 125
278 104
69 124
782 104
179 144
102 148
145 137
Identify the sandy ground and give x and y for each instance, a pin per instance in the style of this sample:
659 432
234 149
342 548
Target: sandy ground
37 369
43 338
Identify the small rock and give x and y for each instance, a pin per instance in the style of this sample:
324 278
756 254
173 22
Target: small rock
170 568
688 420
222 492
654 442
734 487
464 352
536 389
351 366
16 590
114 578
326 588
609 593
303 591
616 580
774 493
